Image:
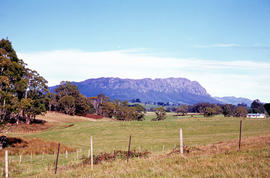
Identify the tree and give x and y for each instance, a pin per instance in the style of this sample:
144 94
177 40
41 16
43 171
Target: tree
97 102
200 107
26 107
240 111
257 106
108 109
67 105
37 91
121 110
91 108
140 108
228 110
139 114
66 88
23 92
211 110
81 104
160 113
182 109
267 108
6 46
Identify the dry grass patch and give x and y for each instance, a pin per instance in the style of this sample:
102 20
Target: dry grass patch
56 117
19 146
44 122
29 128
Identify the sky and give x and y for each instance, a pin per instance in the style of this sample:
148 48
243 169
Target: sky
222 44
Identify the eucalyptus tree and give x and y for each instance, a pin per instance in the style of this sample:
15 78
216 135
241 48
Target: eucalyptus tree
23 92
67 99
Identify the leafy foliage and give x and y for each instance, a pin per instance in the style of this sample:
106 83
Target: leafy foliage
160 113
228 110
117 109
67 99
257 106
240 111
267 108
182 109
67 104
23 92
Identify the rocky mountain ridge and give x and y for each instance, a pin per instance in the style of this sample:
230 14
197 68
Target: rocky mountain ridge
174 90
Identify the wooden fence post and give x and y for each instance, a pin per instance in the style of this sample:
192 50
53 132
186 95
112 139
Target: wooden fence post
240 135
128 147
181 142
92 161
6 162
57 158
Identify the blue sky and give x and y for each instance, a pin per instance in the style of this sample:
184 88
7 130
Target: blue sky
232 37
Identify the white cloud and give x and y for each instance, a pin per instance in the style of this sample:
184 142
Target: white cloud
220 78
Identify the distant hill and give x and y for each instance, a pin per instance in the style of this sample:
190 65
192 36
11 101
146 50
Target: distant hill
234 100
175 90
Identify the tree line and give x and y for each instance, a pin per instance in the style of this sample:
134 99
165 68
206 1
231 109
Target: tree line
67 99
228 110
24 94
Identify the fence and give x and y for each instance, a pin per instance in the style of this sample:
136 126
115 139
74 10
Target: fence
50 161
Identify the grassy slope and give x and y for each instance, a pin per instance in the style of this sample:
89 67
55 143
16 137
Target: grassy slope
151 136
250 162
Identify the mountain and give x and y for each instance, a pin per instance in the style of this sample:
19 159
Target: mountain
175 90
234 100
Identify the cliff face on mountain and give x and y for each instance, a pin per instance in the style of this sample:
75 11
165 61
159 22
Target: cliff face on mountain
176 90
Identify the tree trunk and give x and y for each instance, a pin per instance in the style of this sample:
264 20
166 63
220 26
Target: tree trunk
28 120
17 119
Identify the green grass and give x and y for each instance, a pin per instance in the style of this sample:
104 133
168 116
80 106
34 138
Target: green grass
247 163
153 135
149 135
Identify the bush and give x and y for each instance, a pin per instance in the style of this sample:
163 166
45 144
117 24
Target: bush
161 114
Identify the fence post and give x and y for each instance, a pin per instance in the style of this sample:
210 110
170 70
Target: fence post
57 158
240 135
6 161
92 161
128 147
181 141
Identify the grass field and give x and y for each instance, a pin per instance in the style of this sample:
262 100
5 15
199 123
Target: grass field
152 136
